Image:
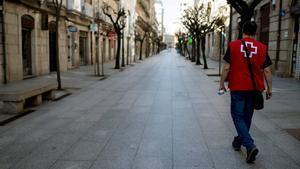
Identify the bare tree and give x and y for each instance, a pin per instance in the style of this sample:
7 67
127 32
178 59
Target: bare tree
119 24
199 22
58 7
245 9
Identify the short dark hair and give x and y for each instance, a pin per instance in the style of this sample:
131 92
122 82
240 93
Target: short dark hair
249 28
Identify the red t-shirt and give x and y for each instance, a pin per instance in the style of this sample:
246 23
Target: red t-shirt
239 75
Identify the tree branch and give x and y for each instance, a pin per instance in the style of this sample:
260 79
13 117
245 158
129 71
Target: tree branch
254 4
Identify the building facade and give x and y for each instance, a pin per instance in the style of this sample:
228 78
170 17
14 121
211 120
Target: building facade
30 33
145 29
2 47
86 37
216 41
278 28
129 42
159 10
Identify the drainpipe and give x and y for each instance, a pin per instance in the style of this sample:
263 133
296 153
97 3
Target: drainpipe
278 36
3 45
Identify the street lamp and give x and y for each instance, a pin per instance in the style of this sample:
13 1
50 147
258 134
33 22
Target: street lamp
221 46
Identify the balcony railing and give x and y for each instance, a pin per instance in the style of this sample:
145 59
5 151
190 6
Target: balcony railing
74 5
87 9
64 2
144 7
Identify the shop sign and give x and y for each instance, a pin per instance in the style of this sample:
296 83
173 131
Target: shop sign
94 27
282 13
72 28
112 35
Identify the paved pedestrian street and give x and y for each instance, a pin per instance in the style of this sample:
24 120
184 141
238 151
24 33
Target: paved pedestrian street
162 113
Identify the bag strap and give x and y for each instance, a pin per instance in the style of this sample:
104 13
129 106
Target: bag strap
249 64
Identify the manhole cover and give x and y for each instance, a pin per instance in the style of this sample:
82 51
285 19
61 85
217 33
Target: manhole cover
294 132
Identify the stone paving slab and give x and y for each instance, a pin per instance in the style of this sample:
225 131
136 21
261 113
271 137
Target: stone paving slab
163 113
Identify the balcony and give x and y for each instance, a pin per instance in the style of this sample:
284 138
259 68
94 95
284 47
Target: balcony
100 16
144 7
74 5
87 10
51 2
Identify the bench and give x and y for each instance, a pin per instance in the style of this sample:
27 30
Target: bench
16 96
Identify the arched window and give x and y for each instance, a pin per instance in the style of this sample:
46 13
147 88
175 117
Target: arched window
27 22
52 26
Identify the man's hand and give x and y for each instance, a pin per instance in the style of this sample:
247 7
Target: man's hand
268 76
268 94
224 75
222 87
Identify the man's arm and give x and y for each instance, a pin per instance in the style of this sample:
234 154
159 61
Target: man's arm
268 77
224 75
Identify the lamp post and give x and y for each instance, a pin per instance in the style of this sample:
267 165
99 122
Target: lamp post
221 47
123 22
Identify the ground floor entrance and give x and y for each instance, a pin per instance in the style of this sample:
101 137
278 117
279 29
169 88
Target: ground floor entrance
52 47
83 48
27 27
295 67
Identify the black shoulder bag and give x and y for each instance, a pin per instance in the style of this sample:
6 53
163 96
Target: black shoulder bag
258 99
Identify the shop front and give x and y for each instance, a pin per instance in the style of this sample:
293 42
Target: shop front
295 10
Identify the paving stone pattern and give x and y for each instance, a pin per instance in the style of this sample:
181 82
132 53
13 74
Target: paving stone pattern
163 113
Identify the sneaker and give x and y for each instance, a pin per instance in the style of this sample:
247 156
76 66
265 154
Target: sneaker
236 144
251 155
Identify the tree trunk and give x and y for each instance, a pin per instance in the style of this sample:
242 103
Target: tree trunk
123 51
141 50
117 66
193 50
158 48
57 50
128 58
203 52
198 62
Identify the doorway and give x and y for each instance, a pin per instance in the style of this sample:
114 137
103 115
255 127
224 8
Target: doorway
265 24
27 27
83 48
296 50
52 47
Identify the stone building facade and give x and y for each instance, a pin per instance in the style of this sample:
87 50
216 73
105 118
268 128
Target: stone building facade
86 35
278 28
216 42
2 61
30 37
146 26
129 42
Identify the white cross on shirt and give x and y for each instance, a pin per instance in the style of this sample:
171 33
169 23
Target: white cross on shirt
253 49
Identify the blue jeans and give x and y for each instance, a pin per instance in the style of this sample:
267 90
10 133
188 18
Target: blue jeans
241 113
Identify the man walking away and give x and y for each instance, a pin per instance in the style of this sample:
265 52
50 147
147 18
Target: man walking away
241 84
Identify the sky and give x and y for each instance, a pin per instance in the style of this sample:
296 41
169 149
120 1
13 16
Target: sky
171 15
